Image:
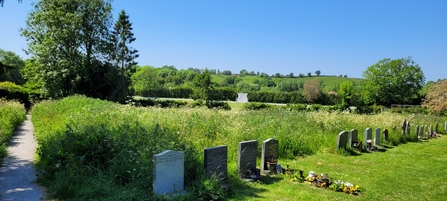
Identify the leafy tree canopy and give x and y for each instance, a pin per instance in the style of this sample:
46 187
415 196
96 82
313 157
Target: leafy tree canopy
395 81
436 99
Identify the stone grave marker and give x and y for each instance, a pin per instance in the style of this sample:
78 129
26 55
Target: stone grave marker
385 135
421 132
215 162
269 155
417 131
342 139
377 136
408 131
247 152
404 126
168 172
431 130
353 137
445 127
436 127
367 136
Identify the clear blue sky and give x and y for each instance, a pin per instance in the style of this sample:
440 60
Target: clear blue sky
299 36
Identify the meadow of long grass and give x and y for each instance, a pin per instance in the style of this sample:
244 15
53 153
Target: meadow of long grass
12 113
93 149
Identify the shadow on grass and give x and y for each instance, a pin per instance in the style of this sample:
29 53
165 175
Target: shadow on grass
387 146
270 180
245 190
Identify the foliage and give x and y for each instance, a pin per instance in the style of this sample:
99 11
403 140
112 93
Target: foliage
345 92
123 55
11 66
202 87
312 90
436 99
257 106
12 113
392 81
145 79
318 72
11 91
290 85
69 44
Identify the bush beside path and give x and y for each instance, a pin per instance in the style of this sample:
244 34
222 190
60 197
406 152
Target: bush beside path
17 173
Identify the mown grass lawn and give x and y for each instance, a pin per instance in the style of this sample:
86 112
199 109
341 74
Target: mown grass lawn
412 171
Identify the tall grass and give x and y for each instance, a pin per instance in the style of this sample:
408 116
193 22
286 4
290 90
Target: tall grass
93 149
12 113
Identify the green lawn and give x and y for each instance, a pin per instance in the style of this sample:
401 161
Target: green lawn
412 171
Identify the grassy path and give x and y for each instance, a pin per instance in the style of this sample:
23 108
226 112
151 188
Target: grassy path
17 173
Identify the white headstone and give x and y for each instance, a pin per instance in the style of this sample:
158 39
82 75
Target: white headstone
242 98
169 172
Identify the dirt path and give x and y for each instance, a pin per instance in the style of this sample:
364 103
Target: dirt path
17 173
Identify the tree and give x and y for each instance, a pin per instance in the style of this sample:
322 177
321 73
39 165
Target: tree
291 75
345 92
226 72
10 66
436 99
69 46
392 81
309 74
145 79
312 90
3 1
277 75
203 87
318 72
123 55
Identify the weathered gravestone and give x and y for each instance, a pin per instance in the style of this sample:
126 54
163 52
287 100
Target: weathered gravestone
431 130
416 131
215 162
342 139
445 127
436 127
353 137
168 172
269 156
377 136
421 132
404 126
247 152
408 131
367 136
385 135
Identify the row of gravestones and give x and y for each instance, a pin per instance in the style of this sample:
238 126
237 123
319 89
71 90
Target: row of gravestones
351 138
169 165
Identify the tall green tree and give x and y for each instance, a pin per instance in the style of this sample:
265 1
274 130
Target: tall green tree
203 87
345 92
123 55
67 41
11 66
145 79
395 81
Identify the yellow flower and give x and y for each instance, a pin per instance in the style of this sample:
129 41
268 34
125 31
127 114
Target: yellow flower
345 189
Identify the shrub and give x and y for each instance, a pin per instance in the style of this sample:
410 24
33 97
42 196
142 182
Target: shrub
12 113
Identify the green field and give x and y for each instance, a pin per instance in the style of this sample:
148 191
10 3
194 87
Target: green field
91 149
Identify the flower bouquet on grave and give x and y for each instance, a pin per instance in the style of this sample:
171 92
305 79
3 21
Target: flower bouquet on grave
294 176
251 173
345 187
271 163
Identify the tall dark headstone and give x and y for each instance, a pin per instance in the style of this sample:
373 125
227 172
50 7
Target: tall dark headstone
408 129
215 162
353 137
367 136
436 127
269 156
342 139
404 126
385 135
416 131
377 136
247 152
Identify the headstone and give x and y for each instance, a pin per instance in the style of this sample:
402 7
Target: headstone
421 132
436 127
404 126
269 155
247 152
342 139
367 136
168 172
385 135
431 130
408 131
353 137
417 131
377 136
242 98
216 162
445 127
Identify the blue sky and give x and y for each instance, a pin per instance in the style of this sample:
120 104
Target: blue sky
299 36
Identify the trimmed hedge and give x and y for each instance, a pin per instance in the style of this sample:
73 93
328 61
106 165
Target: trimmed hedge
11 91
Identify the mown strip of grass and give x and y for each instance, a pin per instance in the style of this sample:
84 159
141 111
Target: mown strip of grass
93 149
12 113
